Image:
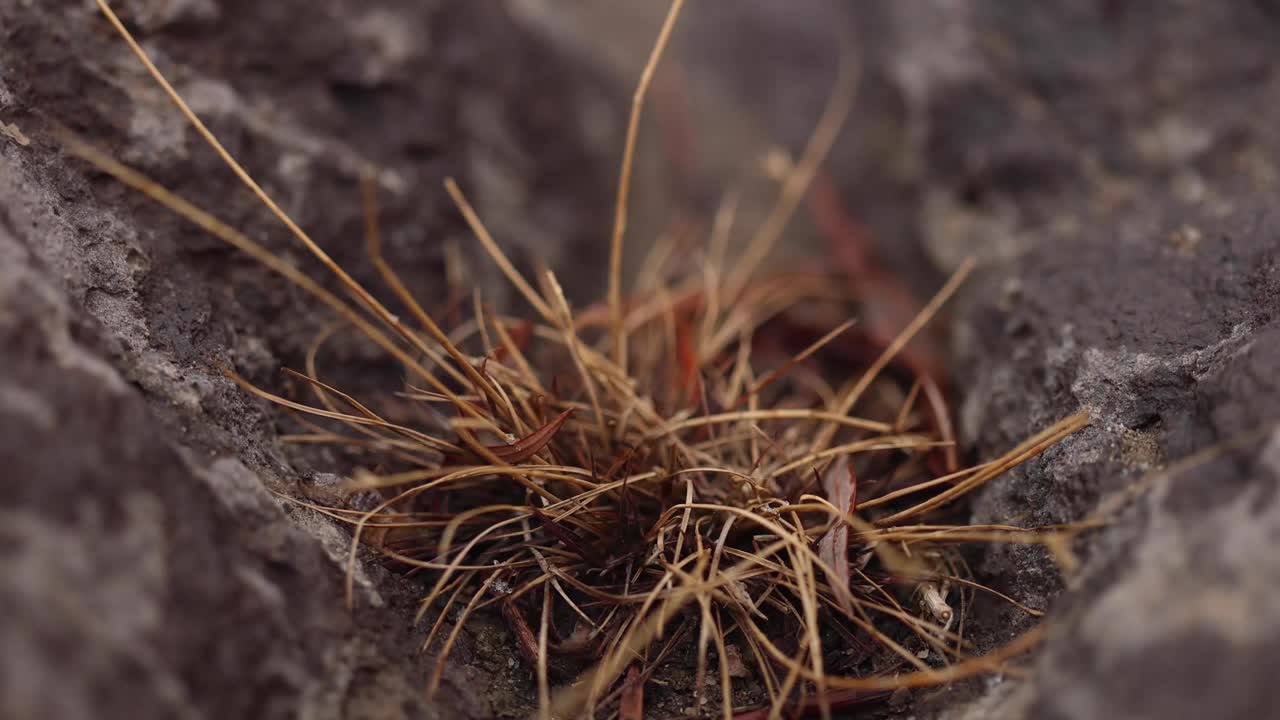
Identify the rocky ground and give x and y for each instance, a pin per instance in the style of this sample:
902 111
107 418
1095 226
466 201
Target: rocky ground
147 569
1113 165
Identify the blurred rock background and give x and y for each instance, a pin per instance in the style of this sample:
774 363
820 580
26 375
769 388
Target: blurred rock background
1113 165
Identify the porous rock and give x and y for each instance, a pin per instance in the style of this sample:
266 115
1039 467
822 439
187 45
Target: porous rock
1112 165
147 567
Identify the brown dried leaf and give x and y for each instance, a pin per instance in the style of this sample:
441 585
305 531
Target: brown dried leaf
525 447
631 705
526 643
840 485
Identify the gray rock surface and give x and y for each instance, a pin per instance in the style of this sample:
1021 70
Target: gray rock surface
146 568
1114 165
1116 168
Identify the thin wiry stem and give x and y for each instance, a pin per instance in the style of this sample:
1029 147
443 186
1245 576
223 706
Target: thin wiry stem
618 337
690 484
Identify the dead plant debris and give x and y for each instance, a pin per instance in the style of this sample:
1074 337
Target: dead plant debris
677 476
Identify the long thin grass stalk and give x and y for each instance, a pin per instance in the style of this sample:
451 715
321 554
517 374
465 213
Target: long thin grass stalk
664 471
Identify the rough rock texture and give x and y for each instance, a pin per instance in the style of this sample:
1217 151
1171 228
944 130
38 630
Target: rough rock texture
146 568
1114 167
1113 164
1117 168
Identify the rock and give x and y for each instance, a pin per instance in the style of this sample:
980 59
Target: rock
1135 276
1166 591
146 567
1113 166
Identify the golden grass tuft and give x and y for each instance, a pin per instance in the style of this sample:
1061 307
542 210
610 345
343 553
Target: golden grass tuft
646 474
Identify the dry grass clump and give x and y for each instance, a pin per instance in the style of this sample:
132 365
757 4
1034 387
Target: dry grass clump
642 475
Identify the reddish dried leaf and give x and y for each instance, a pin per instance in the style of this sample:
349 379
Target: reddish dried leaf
567 537
849 243
889 304
686 359
622 460
519 337
526 643
631 704
840 485
524 448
